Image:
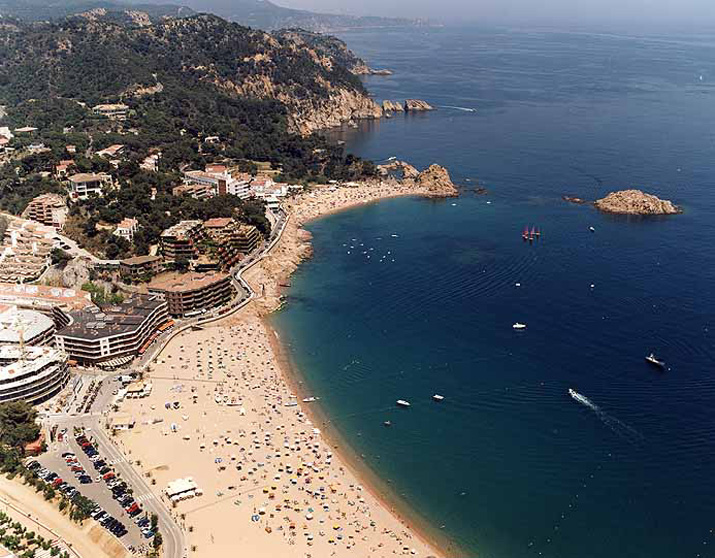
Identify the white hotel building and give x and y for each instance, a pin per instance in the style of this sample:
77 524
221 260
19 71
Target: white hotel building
33 374
222 182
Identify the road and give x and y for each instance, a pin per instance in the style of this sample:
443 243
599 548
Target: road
173 537
174 540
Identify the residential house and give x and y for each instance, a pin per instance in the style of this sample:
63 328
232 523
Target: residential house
126 229
83 185
140 267
111 111
111 152
62 168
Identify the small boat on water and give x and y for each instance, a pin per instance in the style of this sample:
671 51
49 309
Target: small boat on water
310 399
651 359
387 423
403 403
517 325
525 234
438 397
591 229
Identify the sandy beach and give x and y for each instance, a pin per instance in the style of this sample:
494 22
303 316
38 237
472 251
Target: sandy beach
223 411
28 507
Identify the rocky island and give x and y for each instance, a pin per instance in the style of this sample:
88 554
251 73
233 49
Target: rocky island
635 202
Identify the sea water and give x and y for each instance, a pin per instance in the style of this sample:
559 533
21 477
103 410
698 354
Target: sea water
409 297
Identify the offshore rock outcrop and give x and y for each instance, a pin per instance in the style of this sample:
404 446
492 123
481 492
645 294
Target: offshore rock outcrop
392 106
573 199
417 105
436 182
636 202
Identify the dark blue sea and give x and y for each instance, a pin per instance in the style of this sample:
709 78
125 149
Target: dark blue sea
409 297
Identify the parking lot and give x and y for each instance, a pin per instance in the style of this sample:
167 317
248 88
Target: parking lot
77 461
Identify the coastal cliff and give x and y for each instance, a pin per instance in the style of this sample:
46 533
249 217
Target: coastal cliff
341 106
635 202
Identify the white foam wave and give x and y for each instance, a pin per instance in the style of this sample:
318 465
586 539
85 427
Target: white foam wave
464 109
617 426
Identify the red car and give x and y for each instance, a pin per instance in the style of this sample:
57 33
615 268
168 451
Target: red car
58 481
108 476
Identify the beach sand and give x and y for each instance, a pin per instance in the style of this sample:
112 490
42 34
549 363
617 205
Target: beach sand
273 484
89 540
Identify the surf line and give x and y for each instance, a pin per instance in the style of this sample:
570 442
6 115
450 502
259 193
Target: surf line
619 427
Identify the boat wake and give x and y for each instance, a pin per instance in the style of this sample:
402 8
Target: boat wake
463 109
619 427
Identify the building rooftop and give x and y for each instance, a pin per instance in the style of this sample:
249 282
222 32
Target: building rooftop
87 177
95 323
11 293
31 323
181 228
112 150
218 222
140 260
128 223
49 198
16 361
110 107
180 282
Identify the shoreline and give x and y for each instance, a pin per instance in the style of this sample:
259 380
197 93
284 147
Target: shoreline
380 489
255 371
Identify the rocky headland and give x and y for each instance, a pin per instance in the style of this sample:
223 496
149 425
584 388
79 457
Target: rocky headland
635 202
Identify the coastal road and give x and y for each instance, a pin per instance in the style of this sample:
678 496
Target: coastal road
174 542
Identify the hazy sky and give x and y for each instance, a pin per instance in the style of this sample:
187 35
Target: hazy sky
661 12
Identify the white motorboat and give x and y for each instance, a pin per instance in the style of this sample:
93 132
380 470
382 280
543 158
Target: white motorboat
517 325
437 397
310 399
651 359
403 403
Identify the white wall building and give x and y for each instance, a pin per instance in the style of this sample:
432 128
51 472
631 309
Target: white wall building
83 185
126 229
34 374
222 182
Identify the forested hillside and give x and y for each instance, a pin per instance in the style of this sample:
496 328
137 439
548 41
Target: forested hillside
184 81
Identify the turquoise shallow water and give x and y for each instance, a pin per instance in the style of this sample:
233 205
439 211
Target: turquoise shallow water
508 464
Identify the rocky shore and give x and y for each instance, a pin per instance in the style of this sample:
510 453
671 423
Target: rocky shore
410 105
295 246
635 202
